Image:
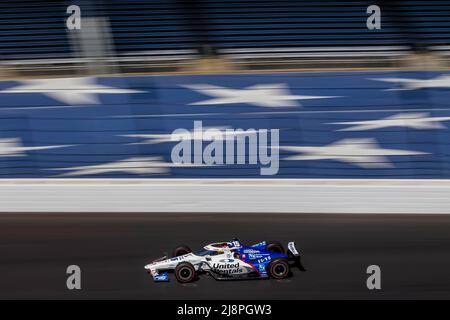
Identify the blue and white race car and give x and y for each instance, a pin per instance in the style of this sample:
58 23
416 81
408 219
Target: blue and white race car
228 261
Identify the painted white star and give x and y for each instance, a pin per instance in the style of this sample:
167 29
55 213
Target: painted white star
138 165
414 120
261 95
68 90
12 147
365 153
415 84
207 134
203 133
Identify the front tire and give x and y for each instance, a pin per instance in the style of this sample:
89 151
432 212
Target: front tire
180 251
185 272
279 269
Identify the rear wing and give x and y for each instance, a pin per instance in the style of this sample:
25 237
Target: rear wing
292 249
294 256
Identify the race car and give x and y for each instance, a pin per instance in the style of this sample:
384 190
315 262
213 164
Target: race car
228 261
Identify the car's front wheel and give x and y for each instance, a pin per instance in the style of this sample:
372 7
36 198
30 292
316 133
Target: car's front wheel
181 251
185 272
279 268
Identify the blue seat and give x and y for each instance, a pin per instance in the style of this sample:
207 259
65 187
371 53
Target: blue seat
29 30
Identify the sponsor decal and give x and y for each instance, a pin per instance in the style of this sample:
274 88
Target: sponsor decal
234 244
251 251
227 268
177 259
263 243
263 260
161 277
181 257
257 256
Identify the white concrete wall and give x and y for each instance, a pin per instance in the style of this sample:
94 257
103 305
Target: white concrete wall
216 196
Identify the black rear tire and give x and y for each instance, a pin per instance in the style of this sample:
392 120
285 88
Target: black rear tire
181 250
185 272
275 246
279 269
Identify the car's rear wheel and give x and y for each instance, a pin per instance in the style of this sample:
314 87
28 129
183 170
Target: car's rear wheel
279 268
181 250
185 272
275 246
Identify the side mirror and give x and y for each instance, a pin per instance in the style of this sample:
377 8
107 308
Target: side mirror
208 258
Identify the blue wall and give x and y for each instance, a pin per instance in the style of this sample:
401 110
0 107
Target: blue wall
42 134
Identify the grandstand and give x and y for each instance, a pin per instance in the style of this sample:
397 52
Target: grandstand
155 35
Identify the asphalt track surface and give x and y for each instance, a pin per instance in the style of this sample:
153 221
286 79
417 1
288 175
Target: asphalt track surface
413 252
